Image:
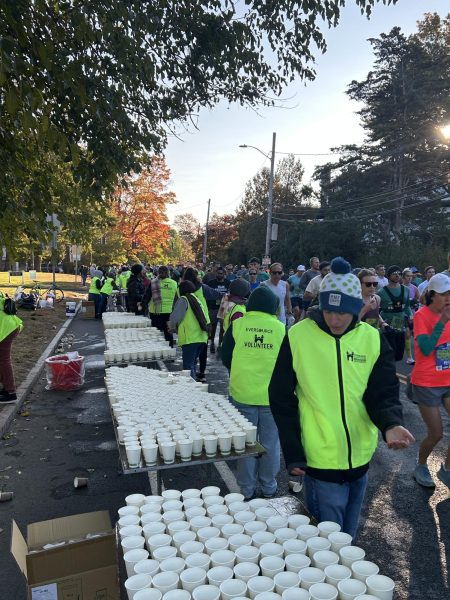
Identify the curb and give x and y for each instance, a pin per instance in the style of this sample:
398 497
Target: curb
8 413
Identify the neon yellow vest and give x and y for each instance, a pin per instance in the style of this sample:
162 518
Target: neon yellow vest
8 323
107 287
123 278
189 331
227 319
332 377
93 288
258 337
168 290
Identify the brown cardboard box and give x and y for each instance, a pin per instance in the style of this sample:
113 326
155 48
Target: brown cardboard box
87 310
85 569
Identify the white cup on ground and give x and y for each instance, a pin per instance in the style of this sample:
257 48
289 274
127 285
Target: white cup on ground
350 554
190 502
214 544
246 571
339 540
152 528
284 534
252 527
276 522
268 596
205 533
295 521
197 444
297 562
133 542
171 494
231 529
258 503
323 591
294 546
285 580
206 592
149 508
180 537
238 540
195 511
198 522
232 588
164 582
271 565
132 557
191 548
177 595
223 558
213 500
362 569
349 589
172 505
264 513
296 594
160 539
151 517
259 584
305 532
192 578
148 594
217 575
336 573
324 558
262 537
147 566
244 516
172 565
216 509
271 549
310 576
177 526
137 582
327 527
203 561
233 497
164 552
380 586
247 554
185 449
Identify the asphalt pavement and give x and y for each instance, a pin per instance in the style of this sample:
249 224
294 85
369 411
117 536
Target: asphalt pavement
404 528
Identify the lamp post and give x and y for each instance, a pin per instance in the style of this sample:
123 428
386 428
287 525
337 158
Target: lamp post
271 157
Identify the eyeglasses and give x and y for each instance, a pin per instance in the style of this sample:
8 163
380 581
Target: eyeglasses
252 273
277 272
371 283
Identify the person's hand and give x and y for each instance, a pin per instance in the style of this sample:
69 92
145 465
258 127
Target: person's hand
297 472
398 437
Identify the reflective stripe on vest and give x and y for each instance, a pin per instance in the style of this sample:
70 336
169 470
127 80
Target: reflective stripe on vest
227 319
168 289
107 287
93 288
332 376
189 330
258 337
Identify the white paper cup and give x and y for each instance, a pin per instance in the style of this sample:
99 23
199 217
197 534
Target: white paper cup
137 582
264 513
271 565
258 503
268 596
168 452
297 562
215 544
152 507
217 575
362 569
233 497
310 576
164 552
284 534
205 533
223 558
132 557
185 449
327 527
177 526
206 592
304 532
180 537
380 586
130 530
172 565
150 452
203 561
132 542
151 517
164 582
339 540
216 509
276 522
350 554
210 443
147 566
128 520
173 515
323 591
171 494
232 588
212 500
191 548
135 500
285 580
155 499
252 527
126 511
190 493
294 546
296 594
262 537
148 594
314 544
192 577
177 595
221 520
231 529
197 445
259 584
172 505
133 455
224 440
160 539
190 502
324 558
239 438
349 589
247 554
271 549
198 522
152 528
336 573
244 516
195 511
295 521
250 434
238 540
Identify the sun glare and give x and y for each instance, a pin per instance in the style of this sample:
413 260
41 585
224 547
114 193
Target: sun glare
445 130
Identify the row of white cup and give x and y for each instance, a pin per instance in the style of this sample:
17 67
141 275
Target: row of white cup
139 351
124 335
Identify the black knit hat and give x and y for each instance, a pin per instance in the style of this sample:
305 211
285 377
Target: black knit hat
239 287
136 269
393 269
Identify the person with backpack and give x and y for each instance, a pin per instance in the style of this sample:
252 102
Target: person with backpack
10 327
395 310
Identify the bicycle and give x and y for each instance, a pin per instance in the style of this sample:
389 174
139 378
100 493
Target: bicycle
52 291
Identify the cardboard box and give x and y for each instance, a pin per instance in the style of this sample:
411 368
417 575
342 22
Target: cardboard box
85 569
87 310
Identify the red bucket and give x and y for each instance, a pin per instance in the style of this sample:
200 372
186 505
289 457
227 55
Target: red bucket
65 372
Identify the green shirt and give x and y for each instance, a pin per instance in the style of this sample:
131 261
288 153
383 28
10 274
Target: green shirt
395 310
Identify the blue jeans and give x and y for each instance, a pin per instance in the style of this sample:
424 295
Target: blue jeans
190 353
338 502
96 299
264 469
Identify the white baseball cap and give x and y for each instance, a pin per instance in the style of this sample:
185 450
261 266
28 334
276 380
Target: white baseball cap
439 283
301 268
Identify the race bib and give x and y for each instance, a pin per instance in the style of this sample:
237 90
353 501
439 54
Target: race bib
443 357
398 322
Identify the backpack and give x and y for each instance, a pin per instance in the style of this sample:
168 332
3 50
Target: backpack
9 306
27 302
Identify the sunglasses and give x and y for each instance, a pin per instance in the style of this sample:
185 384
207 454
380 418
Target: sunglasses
371 283
252 273
277 272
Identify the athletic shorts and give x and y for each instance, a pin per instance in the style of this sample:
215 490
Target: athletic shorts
430 396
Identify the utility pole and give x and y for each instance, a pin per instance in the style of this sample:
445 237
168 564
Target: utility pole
270 197
205 239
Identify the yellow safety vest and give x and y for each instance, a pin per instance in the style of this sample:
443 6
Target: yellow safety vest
93 288
189 330
168 290
227 319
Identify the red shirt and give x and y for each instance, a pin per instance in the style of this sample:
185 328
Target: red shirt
432 370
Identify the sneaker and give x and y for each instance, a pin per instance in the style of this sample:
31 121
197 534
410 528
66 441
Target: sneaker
7 398
444 475
212 348
248 498
270 496
410 361
200 378
423 477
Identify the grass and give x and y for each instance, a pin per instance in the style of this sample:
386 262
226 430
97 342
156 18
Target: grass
65 281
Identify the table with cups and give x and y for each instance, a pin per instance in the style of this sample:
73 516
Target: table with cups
199 544
165 420
130 345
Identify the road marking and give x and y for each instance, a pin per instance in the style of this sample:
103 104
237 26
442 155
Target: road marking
228 476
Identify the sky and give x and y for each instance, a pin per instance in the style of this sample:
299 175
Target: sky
208 162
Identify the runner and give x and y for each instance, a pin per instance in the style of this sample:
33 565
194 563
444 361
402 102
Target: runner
395 310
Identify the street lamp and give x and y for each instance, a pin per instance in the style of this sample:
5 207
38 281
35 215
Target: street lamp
271 157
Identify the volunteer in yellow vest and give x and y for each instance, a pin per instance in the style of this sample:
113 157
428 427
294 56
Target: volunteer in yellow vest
233 305
189 317
10 327
121 282
334 386
161 292
249 350
106 291
94 291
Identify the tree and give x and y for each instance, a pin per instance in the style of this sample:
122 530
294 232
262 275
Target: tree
187 226
140 208
222 231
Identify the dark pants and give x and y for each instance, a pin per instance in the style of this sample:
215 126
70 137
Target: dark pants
190 353
83 279
103 302
160 322
6 368
202 358
96 299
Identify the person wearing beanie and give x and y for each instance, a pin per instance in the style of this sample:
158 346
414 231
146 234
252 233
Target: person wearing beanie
328 426
249 351
233 305
395 310
136 290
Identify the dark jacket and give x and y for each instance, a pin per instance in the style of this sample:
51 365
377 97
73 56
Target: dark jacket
381 400
136 291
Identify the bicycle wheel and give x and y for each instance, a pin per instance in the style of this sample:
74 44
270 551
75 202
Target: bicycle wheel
59 294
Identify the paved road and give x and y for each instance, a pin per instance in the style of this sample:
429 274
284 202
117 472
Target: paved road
405 529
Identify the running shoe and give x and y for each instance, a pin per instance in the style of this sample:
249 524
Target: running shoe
444 475
423 477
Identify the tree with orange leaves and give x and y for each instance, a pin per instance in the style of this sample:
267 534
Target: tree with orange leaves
140 208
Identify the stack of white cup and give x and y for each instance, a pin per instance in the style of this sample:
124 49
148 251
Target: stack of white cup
114 320
198 544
